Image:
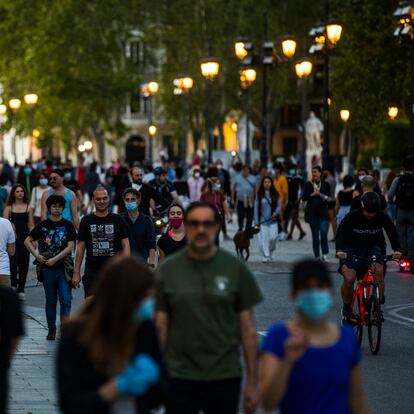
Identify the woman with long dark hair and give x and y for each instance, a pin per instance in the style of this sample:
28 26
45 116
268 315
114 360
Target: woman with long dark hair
267 215
109 359
20 214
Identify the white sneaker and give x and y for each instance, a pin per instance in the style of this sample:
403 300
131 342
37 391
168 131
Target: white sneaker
22 296
265 260
282 236
324 258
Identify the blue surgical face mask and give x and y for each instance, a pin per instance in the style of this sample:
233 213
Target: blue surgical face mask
27 170
133 205
68 176
292 172
145 310
217 187
314 303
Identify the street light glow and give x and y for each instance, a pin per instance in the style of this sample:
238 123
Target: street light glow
15 104
303 68
210 68
81 148
392 112
35 133
31 99
345 114
88 145
153 87
333 32
247 77
152 130
240 50
3 109
289 46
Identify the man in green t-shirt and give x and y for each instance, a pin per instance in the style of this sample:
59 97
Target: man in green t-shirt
204 313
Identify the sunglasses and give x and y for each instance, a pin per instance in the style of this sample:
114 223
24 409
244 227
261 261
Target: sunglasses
53 178
208 224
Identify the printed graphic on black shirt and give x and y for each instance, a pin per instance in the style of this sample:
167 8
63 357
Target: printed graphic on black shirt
103 240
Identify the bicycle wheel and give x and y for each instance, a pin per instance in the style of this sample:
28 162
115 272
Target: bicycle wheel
357 324
374 323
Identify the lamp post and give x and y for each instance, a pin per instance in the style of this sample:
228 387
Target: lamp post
210 68
325 37
182 86
392 112
30 100
303 69
3 112
152 130
405 31
345 115
14 104
149 90
247 78
268 56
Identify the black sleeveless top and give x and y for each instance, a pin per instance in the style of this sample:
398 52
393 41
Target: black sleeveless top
345 198
21 223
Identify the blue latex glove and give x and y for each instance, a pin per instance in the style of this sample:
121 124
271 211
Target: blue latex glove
138 376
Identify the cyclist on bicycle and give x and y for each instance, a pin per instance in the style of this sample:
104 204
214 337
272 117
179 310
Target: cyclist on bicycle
361 234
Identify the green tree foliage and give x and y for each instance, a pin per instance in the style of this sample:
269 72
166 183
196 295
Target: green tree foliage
369 68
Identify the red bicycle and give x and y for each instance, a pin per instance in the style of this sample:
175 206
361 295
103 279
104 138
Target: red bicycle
366 305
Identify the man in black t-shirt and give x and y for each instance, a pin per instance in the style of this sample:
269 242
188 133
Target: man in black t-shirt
164 187
11 329
55 239
102 234
295 188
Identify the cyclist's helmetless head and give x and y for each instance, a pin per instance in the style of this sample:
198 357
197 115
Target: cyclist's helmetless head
371 204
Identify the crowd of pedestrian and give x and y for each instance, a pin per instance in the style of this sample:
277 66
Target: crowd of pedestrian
141 341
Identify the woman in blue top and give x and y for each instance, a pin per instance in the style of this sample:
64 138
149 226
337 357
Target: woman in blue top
266 215
310 365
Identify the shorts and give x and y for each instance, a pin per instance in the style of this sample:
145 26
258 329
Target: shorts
360 266
89 284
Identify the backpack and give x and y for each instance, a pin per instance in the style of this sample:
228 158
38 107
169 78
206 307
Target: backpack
404 196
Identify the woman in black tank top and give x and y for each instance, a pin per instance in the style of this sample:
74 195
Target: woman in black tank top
20 214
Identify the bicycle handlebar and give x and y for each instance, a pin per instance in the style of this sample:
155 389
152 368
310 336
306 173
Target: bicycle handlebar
373 258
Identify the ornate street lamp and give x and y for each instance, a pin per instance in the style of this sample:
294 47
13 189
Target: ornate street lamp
15 104
247 78
325 37
303 69
31 99
148 91
267 57
289 46
152 130
392 112
88 145
210 68
344 114
182 86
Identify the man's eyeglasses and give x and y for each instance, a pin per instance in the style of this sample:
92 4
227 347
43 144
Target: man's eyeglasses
208 224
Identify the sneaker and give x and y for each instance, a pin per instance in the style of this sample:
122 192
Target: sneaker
324 258
51 335
22 296
302 235
282 236
265 260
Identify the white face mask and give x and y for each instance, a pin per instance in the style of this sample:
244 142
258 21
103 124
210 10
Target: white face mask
196 174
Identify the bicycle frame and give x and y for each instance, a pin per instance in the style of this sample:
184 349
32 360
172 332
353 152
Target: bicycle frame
362 293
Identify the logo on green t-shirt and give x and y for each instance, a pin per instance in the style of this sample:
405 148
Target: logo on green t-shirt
221 285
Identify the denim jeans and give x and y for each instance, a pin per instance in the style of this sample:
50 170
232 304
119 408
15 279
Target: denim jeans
319 227
56 285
